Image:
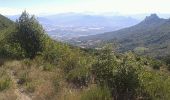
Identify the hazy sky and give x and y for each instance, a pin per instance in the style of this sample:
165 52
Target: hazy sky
12 7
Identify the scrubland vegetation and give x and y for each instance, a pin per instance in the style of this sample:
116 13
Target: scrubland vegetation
49 70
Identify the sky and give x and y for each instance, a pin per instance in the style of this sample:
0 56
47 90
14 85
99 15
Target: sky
123 7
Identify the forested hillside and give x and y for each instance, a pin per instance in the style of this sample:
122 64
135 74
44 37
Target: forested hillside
35 67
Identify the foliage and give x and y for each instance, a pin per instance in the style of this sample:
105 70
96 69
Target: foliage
125 81
167 61
155 84
4 84
103 68
156 65
77 69
121 78
30 87
5 23
6 29
5 80
79 76
29 35
47 67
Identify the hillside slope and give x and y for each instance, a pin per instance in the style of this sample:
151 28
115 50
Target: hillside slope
62 72
151 36
5 22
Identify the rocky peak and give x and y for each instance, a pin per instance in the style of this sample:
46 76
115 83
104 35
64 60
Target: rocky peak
152 17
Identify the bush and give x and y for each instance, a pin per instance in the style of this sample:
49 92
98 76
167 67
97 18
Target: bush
10 49
120 77
70 62
52 51
79 77
97 93
47 67
5 80
126 82
167 61
4 84
30 87
78 70
168 67
156 65
156 85
102 69
27 62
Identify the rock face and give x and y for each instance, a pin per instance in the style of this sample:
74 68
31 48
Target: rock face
152 18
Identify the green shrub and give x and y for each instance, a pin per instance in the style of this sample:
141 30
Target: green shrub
168 67
5 80
27 62
120 77
79 77
4 83
47 67
52 51
126 82
156 65
102 69
70 62
97 93
156 85
30 87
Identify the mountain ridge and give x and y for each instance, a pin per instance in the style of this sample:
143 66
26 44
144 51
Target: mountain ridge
151 33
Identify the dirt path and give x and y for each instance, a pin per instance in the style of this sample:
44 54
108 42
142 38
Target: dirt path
18 92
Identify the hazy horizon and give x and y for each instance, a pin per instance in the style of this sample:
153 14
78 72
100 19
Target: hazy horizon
117 7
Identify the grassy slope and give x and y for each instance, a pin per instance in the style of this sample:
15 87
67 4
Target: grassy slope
40 84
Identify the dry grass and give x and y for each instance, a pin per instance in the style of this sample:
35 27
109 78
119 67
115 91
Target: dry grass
45 91
40 84
69 94
8 95
8 92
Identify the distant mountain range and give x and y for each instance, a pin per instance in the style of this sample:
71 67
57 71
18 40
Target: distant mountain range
69 25
151 36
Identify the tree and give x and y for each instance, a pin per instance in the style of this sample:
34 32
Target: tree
29 35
